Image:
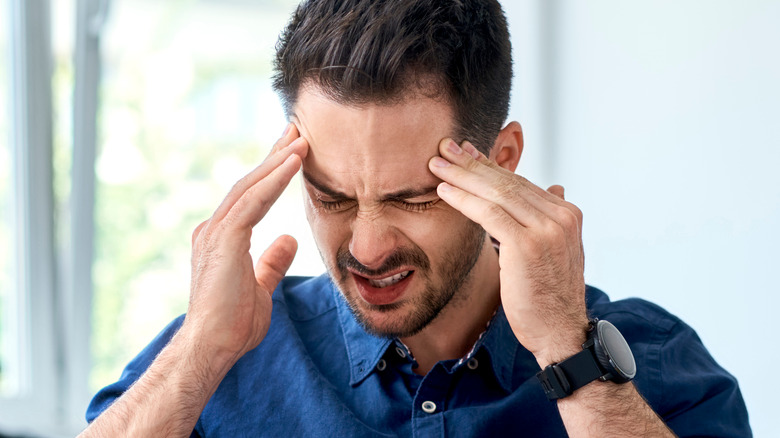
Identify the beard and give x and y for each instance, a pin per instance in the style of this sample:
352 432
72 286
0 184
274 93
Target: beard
441 288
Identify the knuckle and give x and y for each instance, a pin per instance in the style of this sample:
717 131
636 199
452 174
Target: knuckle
198 229
230 218
534 247
504 190
471 164
567 218
554 232
577 212
238 187
495 211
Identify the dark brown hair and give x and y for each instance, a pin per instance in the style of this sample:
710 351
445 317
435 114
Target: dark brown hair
385 51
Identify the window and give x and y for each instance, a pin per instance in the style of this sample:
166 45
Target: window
186 110
7 247
31 325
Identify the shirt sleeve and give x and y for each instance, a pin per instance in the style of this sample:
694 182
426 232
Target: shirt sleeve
106 396
698 397
676 374
684 384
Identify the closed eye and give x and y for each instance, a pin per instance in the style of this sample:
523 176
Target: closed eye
335 205
416 206
345 204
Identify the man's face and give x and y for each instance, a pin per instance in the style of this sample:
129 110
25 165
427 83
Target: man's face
397 252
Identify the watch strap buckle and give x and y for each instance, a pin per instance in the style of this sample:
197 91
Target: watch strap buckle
554 382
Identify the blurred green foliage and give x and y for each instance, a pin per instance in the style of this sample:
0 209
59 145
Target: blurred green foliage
162 142
184 100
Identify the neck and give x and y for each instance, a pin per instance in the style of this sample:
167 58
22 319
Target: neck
452 334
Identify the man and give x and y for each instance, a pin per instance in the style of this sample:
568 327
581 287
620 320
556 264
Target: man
454 303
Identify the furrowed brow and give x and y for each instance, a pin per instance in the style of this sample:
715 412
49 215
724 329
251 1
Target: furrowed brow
400 195
405 194
323 188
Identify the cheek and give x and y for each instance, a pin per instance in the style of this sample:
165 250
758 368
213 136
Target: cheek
432 231
328 230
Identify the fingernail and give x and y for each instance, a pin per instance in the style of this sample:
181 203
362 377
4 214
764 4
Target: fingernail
286 129
444 187
468 147
453 147
440 162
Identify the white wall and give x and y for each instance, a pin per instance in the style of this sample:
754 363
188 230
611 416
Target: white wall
660 119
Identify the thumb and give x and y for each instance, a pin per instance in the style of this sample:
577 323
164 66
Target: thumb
556 190
274 263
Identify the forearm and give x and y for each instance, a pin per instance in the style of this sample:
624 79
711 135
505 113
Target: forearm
168 398
606 409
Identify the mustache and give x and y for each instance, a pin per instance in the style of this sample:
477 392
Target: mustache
402 256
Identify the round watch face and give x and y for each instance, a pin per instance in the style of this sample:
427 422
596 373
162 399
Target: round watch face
617 349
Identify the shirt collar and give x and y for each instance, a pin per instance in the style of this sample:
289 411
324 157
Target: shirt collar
502 346
364 350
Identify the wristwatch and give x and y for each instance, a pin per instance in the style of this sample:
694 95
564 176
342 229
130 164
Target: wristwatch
604 356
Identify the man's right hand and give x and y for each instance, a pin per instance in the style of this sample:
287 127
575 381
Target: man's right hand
229 311
230 302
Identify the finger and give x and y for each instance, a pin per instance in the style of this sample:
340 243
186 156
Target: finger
495 220
479 157
299 147
274 263
288 136
495 186
528 203
556 190
197 231
491 216
476 162
255 202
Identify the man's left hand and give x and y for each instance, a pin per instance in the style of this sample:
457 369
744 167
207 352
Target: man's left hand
541 255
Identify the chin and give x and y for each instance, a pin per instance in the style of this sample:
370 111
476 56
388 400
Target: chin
389 321
399 319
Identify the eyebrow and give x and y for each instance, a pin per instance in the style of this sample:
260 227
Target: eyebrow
395 196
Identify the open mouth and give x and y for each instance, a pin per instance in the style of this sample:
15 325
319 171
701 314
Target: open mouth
383 290
388 281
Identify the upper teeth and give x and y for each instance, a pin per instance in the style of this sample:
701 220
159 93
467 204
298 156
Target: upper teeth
393 279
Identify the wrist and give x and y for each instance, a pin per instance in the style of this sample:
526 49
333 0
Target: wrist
563 346
605 356
204 359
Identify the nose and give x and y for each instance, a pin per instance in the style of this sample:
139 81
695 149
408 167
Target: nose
373 240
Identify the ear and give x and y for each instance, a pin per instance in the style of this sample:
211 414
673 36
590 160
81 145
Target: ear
508 147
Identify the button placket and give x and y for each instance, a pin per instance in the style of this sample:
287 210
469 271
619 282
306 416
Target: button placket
430 402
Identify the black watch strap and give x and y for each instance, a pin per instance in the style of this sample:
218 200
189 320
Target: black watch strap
561 379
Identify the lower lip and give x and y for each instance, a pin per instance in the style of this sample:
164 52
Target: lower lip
381 296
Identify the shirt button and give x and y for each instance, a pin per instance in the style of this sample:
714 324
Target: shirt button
429 407
381 365
473 363
400 351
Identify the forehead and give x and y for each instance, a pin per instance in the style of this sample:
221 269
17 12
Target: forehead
369 149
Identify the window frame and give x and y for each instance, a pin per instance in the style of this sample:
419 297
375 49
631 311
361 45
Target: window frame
34 402
52 297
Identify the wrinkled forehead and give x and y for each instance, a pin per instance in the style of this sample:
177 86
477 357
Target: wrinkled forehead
371 148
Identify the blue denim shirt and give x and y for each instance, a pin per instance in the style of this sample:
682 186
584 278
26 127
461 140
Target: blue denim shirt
318 373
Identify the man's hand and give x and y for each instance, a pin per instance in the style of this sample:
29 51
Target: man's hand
229 312
541 256
542 283
230 302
